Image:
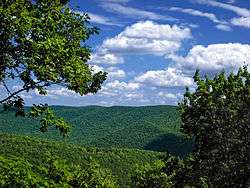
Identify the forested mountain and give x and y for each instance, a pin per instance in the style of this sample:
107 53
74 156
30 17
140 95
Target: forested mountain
151 127
121 162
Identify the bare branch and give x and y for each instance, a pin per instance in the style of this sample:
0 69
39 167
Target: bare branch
19 91
12 95
6 87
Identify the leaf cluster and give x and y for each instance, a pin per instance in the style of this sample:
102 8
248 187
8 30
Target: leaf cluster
217 116
16 172
43 43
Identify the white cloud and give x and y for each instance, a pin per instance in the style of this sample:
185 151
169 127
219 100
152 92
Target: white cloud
231 1
121 89
62 92
122 85
99 19
102 20
243 21
223 27
134 12
165 78
114 72
148 37
215 57
238 10
134 95
144 37
106 58
96 68
26 96
16 87
167 95
191 25
194 12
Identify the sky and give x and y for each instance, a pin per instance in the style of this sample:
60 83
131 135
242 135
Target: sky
151 49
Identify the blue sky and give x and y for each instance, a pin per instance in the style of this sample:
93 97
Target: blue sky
151 49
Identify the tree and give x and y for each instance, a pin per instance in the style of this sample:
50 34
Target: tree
43 43
217 116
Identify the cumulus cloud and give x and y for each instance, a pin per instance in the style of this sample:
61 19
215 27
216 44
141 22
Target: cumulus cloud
122 90
134 12
170 77
116 84
209 60
106 58
148 37
167 95
114 72
215 57
144 37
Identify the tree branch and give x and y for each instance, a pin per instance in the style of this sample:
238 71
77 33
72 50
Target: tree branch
12 95
6 87
16 92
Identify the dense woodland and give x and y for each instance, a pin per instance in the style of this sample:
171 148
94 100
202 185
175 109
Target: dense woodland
152 128
116 138
121 162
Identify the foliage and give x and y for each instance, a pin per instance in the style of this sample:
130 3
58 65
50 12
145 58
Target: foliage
217 116
94 176
43 43
16 172
152 128
120 161
151 176
170 171
48 118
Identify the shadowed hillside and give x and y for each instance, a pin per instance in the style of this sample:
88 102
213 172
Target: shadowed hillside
152 127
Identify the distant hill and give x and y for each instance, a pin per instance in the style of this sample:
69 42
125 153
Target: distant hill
120 161
150 127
